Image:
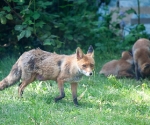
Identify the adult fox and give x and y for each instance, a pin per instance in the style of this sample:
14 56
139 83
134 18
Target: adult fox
141 56
40 65
120 68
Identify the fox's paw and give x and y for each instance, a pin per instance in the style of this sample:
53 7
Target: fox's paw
2 86
56 99
59 98
75 102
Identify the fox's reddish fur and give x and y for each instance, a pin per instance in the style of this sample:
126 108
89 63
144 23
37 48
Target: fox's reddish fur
119 68
40 65
141 56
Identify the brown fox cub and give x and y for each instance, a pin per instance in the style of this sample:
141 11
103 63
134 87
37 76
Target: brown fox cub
120 68
141 56
40 65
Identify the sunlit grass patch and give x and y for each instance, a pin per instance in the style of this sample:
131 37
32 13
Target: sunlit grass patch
102 101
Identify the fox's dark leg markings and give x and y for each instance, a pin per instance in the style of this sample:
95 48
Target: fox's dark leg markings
62 95
60 84
74 92
61 90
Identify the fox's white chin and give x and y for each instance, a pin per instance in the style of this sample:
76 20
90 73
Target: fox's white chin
86 73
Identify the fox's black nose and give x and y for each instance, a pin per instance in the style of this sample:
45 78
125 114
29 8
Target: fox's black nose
91 73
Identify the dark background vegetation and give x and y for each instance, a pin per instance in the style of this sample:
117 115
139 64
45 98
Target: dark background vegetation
61 26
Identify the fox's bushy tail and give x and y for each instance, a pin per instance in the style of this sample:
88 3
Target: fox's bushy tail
12 78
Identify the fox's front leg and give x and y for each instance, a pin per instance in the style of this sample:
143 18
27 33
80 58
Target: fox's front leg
61 90
137 72
74 92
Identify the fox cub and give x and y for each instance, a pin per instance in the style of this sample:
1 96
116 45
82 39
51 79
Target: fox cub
120 68
40 65
141 56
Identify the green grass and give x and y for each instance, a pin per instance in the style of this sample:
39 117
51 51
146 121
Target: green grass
102 101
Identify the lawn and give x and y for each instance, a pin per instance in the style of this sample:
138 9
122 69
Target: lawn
102 101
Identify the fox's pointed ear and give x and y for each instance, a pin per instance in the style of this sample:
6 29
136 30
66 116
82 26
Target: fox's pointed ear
90 51
79 53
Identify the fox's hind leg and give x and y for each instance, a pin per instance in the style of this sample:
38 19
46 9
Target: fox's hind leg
23 84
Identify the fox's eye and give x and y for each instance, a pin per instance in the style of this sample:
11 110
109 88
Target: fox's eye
92 65
84 66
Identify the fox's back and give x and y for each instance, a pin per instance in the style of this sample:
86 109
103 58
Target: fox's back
60 66
50 67
140 43
30 57
31 62
141 50
116 66
110 68
46 65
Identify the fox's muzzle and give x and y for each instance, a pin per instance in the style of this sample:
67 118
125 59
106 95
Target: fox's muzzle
91 74
87 73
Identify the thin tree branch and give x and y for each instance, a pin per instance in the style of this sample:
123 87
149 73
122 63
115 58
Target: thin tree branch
13 10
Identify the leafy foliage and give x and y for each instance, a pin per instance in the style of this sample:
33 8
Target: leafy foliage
62 25
50 25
